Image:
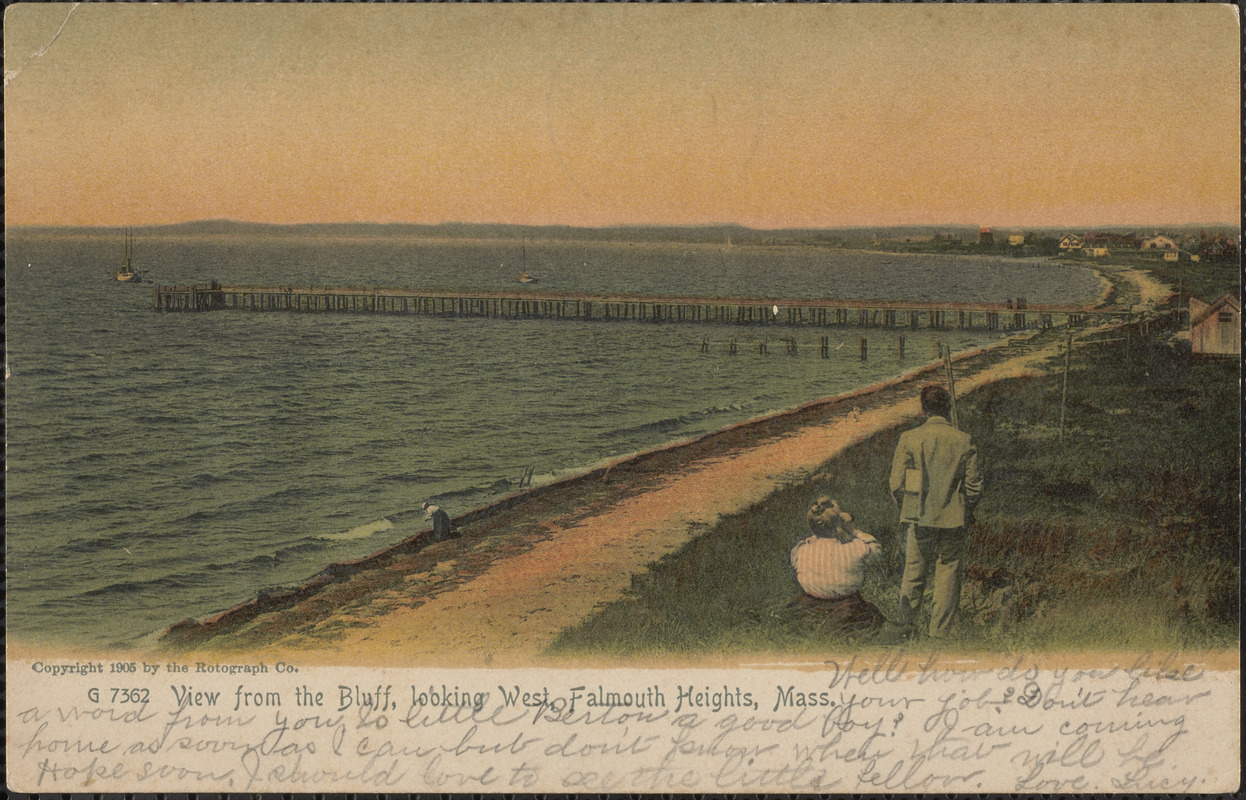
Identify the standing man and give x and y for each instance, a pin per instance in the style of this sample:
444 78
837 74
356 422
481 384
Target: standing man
441 521
935 479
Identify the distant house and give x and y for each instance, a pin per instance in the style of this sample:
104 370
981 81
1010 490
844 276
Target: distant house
1100 244
985 236
1158 243
1171 255
1216 328
1071 241
1221 247
1016 240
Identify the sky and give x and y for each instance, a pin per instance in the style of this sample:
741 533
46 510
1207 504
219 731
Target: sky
770 116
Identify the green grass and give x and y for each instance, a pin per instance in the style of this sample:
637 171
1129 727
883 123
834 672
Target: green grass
1206 280
1123 535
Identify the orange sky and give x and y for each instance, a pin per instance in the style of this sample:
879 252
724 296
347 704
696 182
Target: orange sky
768 116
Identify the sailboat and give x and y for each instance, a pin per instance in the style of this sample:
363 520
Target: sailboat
525 276
127 272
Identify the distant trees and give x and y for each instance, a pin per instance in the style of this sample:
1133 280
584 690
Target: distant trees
1043 245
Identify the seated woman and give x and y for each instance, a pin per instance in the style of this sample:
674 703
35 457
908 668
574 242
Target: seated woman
829 567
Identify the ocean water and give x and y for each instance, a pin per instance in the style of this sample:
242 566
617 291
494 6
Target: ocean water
166 465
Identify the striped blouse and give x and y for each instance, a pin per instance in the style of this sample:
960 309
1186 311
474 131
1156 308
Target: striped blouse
828 569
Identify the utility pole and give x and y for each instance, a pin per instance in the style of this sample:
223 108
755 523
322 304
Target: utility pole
1064 391
951 383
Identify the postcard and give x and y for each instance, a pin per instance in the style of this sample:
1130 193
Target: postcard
622 398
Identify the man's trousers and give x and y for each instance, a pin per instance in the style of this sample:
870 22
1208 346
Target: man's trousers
946 548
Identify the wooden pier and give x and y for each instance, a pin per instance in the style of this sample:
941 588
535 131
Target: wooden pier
644 308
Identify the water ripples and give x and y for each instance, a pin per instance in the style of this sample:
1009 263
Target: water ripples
171 465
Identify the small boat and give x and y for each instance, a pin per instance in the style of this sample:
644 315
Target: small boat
525 276
127 273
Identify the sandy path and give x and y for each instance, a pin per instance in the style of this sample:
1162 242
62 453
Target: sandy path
512 610
1151 291
1131 281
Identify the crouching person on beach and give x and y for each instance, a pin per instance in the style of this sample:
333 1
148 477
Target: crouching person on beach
830 566
442 528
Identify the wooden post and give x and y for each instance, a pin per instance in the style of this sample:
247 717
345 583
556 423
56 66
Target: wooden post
864 347
901 347
951 384
1064 389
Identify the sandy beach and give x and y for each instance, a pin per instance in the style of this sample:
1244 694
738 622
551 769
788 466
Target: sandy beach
1135 286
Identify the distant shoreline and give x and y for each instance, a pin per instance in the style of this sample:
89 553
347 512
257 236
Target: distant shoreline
372 232
713 233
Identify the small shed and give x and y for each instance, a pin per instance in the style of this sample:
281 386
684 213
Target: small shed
1216 328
